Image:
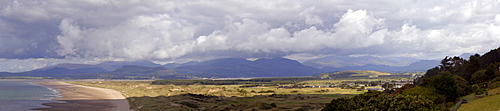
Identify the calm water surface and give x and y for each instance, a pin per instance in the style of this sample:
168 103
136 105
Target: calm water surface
24 95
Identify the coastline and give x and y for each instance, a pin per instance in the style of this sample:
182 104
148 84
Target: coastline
84 98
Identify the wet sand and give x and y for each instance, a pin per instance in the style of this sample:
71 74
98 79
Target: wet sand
84 98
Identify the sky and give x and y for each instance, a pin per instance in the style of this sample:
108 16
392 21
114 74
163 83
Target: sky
37 33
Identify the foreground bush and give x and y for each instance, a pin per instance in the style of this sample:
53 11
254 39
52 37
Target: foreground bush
378 101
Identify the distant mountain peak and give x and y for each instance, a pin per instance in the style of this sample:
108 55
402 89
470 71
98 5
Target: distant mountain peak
240 67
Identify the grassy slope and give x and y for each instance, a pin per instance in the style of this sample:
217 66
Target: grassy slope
488 103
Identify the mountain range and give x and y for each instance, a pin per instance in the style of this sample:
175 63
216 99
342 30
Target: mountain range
416 66
239 67
226 67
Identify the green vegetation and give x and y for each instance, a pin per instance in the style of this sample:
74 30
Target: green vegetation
274 102
489 103
455 78
425 92
375 100
443 85
144 96
145 88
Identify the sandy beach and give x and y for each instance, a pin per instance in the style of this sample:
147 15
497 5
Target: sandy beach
84 98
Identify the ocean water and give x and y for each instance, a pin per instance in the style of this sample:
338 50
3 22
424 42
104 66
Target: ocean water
24 95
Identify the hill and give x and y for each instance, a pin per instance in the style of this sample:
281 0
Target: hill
75 71
353 74
113 65
143 72
348 61
228 67
239 67
488 103
79 71
416 66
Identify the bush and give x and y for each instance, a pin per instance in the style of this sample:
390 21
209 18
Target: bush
273 104
268 91
267 106
426 92
378 101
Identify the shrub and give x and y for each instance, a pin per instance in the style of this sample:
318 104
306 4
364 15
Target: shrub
378 101
268 91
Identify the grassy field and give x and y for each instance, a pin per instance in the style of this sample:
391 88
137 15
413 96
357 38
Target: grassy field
494 91
143 88
488 103
340 80
469 97
144 96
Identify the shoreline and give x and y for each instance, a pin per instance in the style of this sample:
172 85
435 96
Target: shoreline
84 98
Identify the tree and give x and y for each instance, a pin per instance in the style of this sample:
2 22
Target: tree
401 102
446 64
341 104
445 85
471 66
462 87
432 72
479 77
378 101
493 70
426 92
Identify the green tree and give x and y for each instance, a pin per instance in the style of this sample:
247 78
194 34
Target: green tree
462 86
426 92
431 72
378 101
341 104
445 85
401 102
446 64
479 77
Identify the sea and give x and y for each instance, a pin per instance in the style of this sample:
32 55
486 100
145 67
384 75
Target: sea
24 95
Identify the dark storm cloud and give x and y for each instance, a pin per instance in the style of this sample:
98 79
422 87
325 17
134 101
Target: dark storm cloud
169 30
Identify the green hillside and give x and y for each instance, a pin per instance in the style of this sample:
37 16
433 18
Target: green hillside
488 103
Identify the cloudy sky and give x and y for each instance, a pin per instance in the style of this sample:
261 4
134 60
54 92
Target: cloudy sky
54 31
